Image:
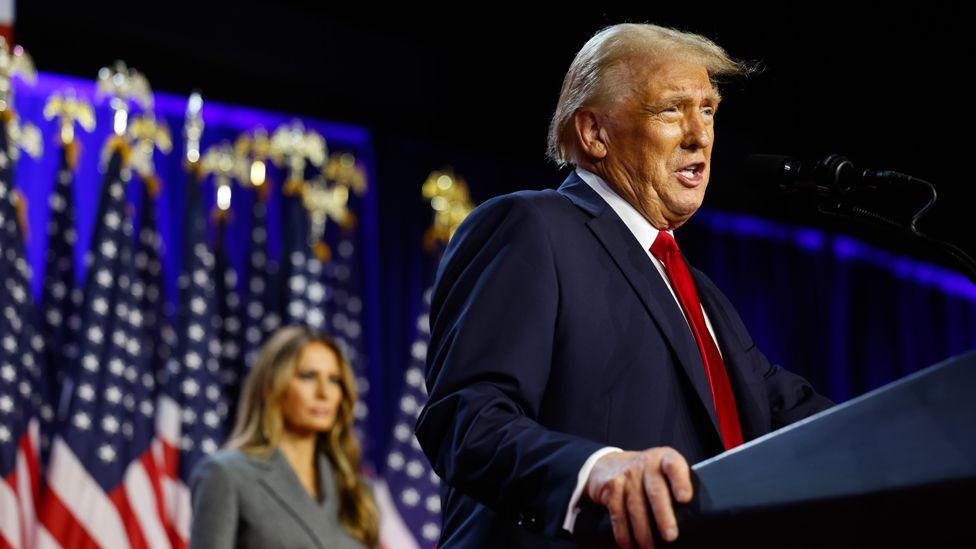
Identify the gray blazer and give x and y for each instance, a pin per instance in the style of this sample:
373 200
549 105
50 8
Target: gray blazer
244 501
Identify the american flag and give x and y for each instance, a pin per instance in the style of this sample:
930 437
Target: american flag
344 309
196 407
23 400
261 310
410 502
305 290
160 334
61 299
228 316
103 486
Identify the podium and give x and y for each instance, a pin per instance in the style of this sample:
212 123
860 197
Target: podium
895 467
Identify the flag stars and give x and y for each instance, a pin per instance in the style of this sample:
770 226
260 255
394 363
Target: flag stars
108 249
110 425
6 404
86 392
395 461
316 318
4 434
410 497
415 378
208 446
402 432
104 278
408 404
189 416
59 290
211 419
106 453
8 373
100 305
431 531
82 421
133 347
113 394
193 360
90 362
190 388
415 469
316 292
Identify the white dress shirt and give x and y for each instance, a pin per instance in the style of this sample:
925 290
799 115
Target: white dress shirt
646 234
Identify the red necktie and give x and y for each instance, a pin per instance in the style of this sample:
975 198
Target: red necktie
666 249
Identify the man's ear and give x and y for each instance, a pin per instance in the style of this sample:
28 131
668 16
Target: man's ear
591 136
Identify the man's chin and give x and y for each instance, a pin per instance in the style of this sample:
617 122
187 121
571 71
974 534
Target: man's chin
678 214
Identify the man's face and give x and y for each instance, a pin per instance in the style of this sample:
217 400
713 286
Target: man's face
659 140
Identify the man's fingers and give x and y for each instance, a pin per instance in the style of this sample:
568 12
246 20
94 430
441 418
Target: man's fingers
640 521
656 488
613 500
676 468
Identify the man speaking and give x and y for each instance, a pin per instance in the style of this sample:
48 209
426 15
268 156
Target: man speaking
577 363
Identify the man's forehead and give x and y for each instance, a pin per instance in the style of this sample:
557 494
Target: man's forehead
673 77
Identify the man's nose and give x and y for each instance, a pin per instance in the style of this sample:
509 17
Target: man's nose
698 133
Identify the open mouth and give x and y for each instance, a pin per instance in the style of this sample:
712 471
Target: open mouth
691 174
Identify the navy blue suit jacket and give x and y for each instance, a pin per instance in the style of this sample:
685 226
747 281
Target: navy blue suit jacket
552 336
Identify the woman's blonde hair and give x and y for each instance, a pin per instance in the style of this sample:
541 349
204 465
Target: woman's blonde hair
259 424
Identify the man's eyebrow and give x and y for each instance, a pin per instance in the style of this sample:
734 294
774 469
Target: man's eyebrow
712 98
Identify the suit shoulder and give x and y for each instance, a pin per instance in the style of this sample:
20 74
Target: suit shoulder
229 465
536 209
538 202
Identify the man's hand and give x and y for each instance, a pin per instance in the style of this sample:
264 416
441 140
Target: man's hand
626 482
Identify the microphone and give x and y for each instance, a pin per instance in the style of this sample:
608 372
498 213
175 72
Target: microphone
835 175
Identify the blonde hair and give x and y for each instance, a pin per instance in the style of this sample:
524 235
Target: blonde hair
259 424
594 77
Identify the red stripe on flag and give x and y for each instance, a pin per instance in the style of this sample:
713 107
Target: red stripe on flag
171 460
33 468
169 468
136 539
4 544
62 525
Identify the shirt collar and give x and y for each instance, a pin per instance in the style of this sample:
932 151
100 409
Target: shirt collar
639 226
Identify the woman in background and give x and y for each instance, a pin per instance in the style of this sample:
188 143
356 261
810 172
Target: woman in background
289 476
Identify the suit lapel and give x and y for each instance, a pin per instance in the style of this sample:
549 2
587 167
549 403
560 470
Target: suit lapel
647 283
280 481
749 397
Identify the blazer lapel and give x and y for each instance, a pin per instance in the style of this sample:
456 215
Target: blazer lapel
643 277
749 395
280 481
